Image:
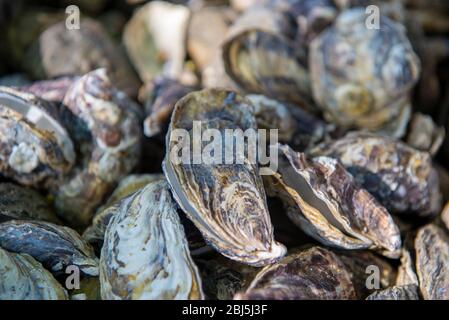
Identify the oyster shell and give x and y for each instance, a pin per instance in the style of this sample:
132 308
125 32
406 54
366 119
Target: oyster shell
110 151
226 202
36 149
424 134
160 106
23 278
51 90
361 77
323 199
401 178
314 273
407 292
17 202
56 247
406 271
60 51
145 253
432 262
445 216
89 289
357 264
94 234
155 39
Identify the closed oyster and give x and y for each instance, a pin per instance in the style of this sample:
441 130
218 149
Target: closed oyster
323 199
56 247
358 264
94 234
401 178
314 273
17 202
408 292
145 254
155 39
406 271
107 129
361 77
432 262
60 52
36 149
23 278
160 106
226 202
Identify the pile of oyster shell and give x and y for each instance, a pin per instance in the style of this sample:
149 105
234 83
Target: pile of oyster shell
94 206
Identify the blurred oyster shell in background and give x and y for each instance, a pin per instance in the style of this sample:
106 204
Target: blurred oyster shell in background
155 39
17 202
408 292
23 278
56 247
424 134
324 200
362 77
76 52
432 256
226 202
145 254
308 274
401 178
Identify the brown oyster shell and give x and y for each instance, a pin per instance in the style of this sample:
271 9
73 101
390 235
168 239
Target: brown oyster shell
112 150
314 273
145 254
445 216
401 178
406 271
56 247
226 202
355 73
432 262
94 234
35 148
407 292
23 278
17 202
323 199
424 134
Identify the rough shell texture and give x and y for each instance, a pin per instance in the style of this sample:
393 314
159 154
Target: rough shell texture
432 256
324 200
94 234
406 271
424 134
23 278
361 77
35 148
66 52
56 247
17 202
111 150
226 202
315 273
145 254
408 292
401 178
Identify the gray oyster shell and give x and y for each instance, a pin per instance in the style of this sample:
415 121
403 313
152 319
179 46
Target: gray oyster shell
407 292
23 278
226 202
56 247
362 77
145 253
